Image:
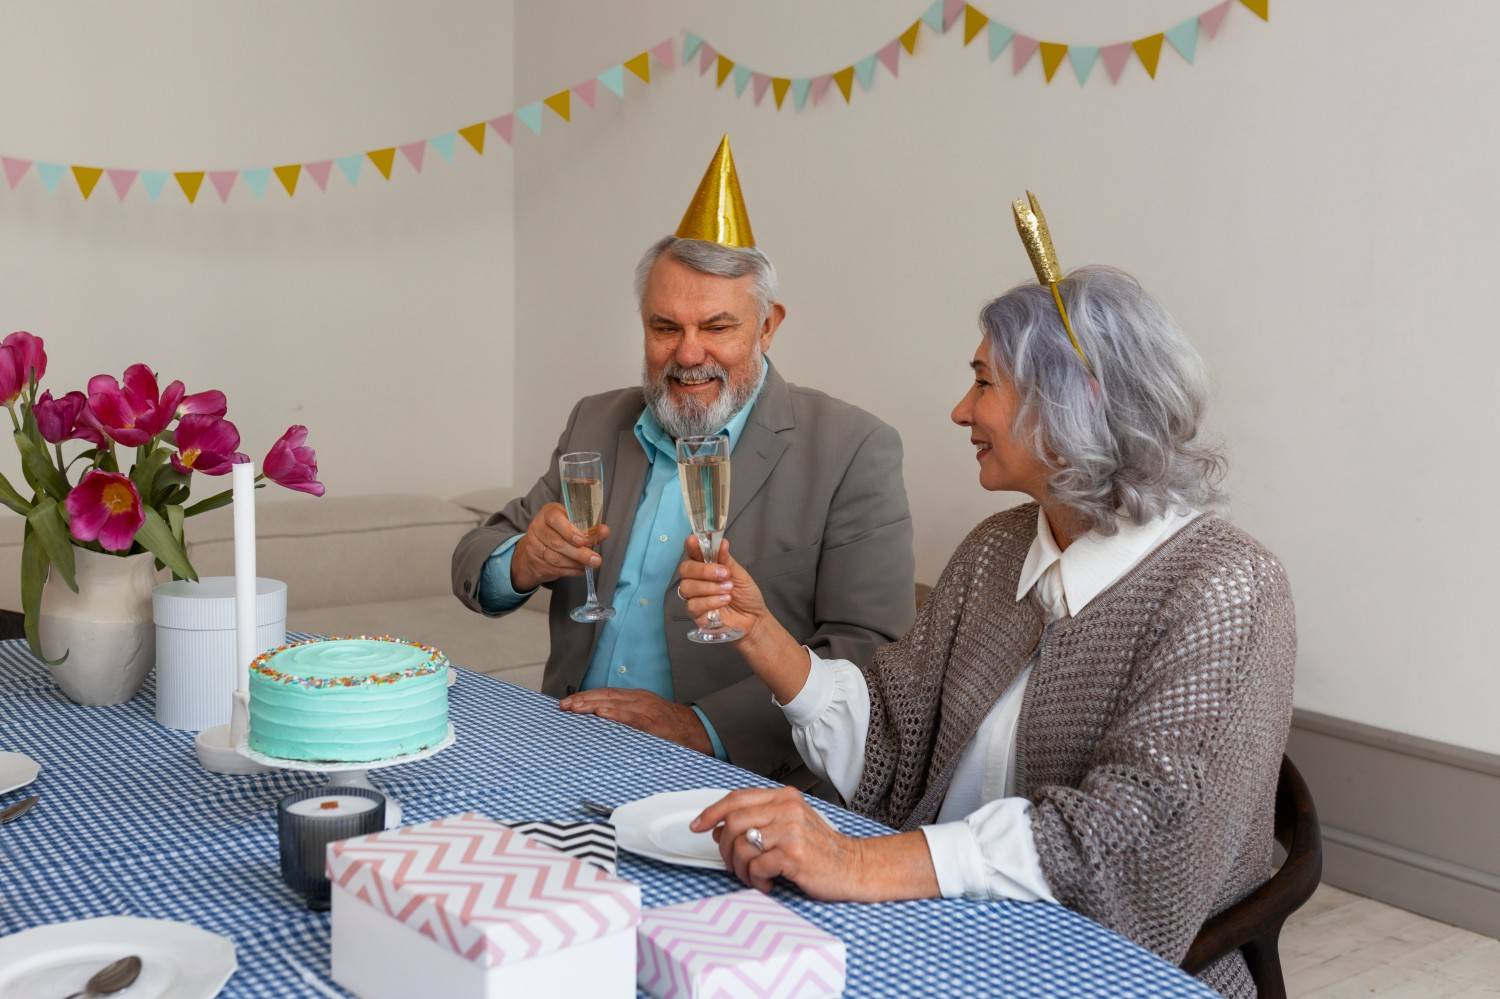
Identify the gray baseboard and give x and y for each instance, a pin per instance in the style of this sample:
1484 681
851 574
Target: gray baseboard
1408 821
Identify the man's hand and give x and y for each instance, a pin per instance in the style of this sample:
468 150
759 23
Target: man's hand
641 709
553 548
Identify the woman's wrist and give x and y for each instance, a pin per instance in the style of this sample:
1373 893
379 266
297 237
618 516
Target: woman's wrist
892 868
776 657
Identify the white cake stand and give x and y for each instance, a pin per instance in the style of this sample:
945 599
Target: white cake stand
351 774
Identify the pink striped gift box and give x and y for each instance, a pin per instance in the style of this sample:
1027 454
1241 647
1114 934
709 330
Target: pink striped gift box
465 906
738 945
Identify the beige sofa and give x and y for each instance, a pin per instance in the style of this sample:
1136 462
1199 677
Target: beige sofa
363 565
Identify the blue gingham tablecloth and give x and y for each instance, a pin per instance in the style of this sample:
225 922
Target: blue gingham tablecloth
130 824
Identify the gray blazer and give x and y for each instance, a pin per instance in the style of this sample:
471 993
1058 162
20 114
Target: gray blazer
818 515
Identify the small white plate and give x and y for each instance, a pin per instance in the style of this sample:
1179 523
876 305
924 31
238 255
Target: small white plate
17 770
658 827
178 960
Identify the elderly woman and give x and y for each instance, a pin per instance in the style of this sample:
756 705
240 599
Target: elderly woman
1092 706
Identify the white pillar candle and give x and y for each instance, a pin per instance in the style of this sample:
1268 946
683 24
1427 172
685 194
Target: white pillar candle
332 805
244 571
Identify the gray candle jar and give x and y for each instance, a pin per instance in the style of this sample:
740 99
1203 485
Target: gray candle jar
304 839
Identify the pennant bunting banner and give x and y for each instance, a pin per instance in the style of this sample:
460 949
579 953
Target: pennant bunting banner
938 17
291 177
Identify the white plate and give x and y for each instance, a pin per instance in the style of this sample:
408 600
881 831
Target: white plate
17 770
658 827
178 960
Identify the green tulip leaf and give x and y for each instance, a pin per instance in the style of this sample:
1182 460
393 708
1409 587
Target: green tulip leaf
147 471
13 499
47 524
40 472
157 538
34 567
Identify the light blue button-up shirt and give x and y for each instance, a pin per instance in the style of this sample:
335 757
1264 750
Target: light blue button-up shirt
632 647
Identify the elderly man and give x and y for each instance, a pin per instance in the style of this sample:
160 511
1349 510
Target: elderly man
817 496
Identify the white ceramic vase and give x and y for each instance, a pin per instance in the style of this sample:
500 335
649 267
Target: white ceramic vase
105 628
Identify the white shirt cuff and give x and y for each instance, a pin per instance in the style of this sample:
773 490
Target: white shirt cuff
989 854
956 859
815 696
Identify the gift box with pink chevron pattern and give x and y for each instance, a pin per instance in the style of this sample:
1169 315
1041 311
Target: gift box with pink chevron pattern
464 906
738 945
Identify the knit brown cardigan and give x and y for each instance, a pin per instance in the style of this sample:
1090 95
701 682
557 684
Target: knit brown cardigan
1150 734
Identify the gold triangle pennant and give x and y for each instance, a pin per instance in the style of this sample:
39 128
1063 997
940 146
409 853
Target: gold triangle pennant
288 176
974 22
87 177
562 103
845 79
190 181
1052 57
779 86
383 159
474 136
1261 8
640 65
1149 50
724 67
909 36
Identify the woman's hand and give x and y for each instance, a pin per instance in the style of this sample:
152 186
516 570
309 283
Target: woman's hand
796 843
722 586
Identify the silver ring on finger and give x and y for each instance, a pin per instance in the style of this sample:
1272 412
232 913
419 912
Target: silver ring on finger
679 593
756 838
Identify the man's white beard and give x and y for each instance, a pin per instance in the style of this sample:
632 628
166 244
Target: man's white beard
688 417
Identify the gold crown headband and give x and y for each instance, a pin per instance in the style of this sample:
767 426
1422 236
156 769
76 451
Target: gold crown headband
1032 225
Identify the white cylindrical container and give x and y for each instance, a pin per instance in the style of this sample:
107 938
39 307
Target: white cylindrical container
195 646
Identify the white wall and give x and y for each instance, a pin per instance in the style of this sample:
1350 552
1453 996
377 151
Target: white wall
379 316
1314 200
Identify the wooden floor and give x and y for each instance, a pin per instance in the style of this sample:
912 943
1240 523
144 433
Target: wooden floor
1343 945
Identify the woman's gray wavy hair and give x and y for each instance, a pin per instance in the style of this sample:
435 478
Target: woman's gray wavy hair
1131 444
713 258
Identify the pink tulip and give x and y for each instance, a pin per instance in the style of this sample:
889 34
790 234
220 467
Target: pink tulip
210 403
292 464
205 444
11 379
33 354
135 413
57 419
105 507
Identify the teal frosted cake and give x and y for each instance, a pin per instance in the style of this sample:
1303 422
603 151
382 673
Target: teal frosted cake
348 699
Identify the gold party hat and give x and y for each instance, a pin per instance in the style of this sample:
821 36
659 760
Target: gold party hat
1032 225
717 212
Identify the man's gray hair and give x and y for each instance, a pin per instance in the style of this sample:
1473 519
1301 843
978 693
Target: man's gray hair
712 258
1131 444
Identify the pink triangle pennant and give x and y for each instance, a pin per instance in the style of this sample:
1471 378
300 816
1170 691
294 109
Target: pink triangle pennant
14 170
503 126
223 181
820 86
890 56
1211 19
951 10
706 56
588 91
121 180
319 172
1115 57
760 82
413 152
1022 49
665 54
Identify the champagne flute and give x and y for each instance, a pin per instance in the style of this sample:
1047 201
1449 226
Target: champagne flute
582 474
703 471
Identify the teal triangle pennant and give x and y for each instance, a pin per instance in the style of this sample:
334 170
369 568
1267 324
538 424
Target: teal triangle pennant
933 16
614 80
1184 38
690 44
741 79
153 181
351 165
864 71
799 92
1083 58
1000 37
51 174
444 144
256 179
531 117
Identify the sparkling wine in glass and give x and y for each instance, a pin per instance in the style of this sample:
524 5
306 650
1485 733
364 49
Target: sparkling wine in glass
703 470
582 474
